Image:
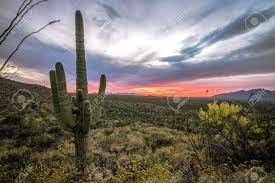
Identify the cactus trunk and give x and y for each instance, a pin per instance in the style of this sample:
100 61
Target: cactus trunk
81 137
81 148
75 115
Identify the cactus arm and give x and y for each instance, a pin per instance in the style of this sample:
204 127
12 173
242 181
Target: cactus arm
97 106
86 117
79 97
65 115
54 92
101 95
81 72
102 85
75 108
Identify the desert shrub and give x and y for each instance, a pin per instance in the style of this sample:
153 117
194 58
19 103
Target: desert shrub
156 140
241 174
42 141
106 143
11 162
12 119
27 129
102 159
143 171
115 138
9 124
55 129
32 130
228 134
47 171
7 131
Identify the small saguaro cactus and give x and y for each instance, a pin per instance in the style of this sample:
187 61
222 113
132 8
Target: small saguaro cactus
75 114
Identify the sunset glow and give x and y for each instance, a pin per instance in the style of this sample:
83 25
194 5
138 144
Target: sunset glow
191 91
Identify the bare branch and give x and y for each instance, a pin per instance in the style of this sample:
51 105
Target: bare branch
15 18
23 8
9 31
18 46
22 5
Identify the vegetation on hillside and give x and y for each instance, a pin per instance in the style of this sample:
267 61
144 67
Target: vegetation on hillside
34 148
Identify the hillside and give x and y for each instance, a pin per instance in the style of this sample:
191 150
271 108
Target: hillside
262 94
138 139
9 89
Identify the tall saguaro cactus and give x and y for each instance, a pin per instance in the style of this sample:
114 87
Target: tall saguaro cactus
76 114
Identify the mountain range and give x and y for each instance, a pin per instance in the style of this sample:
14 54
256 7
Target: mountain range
242 95
8 89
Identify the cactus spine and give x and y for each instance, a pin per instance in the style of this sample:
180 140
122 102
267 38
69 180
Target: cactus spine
76 114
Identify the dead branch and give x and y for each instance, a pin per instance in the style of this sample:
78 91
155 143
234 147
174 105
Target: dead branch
20 10
7 32
18 46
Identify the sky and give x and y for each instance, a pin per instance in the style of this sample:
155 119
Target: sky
156 47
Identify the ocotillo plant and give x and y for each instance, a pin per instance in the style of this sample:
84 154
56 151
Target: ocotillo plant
76 114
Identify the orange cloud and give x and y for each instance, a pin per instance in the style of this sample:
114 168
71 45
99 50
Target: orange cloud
181 91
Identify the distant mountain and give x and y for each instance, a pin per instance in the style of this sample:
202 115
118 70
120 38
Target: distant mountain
262 94
9 89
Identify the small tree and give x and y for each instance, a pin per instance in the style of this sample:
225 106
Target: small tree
227 132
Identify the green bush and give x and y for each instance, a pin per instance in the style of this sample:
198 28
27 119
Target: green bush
12 119
42 141
9 125
156 140
228 134
11 162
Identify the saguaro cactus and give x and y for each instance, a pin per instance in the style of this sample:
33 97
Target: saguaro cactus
76 114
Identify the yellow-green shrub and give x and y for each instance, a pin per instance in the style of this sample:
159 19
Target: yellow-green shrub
227 132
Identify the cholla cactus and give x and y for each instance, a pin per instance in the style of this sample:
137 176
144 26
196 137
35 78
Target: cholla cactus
76 114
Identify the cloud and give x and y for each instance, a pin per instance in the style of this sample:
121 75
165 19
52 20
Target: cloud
125 40
112 13
235 28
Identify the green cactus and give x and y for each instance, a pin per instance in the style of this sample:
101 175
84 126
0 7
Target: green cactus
76 114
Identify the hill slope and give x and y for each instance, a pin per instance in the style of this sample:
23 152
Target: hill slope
9 89
261 94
